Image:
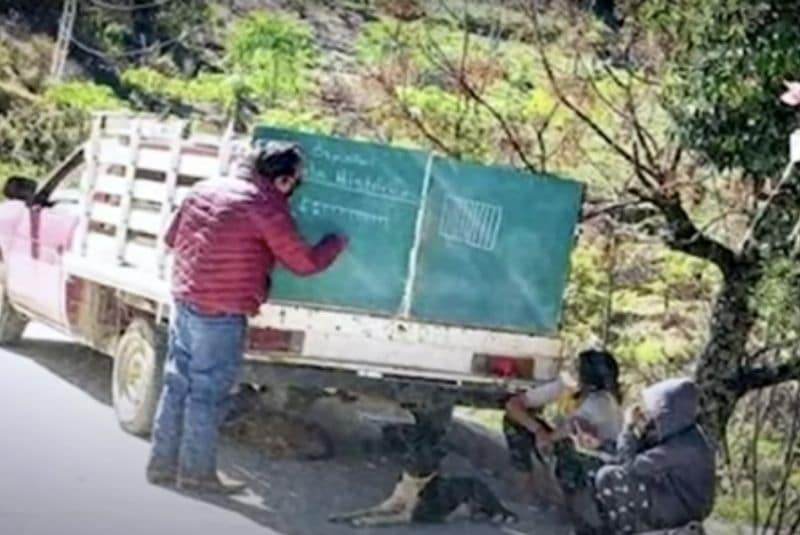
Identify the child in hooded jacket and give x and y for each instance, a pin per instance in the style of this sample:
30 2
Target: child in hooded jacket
664 474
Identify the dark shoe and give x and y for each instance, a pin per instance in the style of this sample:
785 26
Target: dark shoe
163 476
218 484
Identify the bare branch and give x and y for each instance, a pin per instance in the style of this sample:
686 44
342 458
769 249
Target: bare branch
628 211
795 525
755 378
719 218
619 112
508 130
765 210
541 128
575 109
646 139
439 57
684 236
759 426
418 123
772 348
676 159
687 238
779 505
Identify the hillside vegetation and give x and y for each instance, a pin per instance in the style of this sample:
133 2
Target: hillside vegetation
660 108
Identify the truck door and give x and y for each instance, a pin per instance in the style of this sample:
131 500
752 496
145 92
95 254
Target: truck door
35 272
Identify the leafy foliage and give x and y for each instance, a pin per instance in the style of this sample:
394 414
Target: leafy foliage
178 30
727 74
304 121
760 484
268 59
86 96
26 62
777 295
465 128
215 89
587 296
650 306
35 138
273 54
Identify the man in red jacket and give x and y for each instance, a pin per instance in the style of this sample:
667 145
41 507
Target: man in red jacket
226 238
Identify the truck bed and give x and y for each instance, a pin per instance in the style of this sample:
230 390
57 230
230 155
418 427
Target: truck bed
137 172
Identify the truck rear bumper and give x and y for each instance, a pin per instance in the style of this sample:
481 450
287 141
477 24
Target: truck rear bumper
396 347
406 390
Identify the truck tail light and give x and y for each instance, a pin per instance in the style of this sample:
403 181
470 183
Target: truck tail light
503 366
275 340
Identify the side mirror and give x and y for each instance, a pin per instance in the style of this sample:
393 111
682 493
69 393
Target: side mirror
20 188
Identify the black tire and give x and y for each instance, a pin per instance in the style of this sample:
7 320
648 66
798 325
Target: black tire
138 376
12 323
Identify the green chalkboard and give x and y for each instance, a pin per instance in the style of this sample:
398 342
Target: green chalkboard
368 192
495 247
432 239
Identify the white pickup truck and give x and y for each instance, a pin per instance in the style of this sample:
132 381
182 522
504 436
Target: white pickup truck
82 251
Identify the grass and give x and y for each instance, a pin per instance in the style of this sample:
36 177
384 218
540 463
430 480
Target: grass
489 418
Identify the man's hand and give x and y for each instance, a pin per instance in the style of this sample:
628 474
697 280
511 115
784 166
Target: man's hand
341 241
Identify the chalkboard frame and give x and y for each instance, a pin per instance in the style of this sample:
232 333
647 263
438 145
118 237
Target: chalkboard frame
404 307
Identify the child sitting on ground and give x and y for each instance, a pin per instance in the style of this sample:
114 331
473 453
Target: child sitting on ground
664 473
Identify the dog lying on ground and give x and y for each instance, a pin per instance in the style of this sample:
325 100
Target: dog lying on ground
432 498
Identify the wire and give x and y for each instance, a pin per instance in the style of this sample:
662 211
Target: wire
117 7
128 53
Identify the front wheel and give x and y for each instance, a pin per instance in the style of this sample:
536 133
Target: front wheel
138 376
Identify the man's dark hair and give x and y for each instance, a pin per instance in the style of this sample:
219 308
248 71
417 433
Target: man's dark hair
278 159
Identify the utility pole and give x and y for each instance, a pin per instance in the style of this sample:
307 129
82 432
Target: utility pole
61 50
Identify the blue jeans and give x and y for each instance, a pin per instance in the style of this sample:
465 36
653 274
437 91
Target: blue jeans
204 356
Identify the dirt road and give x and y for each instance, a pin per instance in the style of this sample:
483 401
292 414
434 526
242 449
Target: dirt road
65 467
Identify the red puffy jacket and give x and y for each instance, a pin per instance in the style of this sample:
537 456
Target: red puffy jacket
226 237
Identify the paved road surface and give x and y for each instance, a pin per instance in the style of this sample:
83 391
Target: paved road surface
66 468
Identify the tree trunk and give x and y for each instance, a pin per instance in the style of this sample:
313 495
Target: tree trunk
732 320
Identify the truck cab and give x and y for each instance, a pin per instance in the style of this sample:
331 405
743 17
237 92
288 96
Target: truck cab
37 225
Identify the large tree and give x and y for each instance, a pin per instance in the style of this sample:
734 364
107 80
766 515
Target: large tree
716 70
727 65
719 67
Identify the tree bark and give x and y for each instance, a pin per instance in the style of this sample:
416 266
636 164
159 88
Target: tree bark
725 354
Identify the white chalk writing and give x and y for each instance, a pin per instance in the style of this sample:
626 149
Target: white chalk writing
347 158
341 179
316 208
472 223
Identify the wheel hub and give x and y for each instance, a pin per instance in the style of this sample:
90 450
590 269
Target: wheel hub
134 379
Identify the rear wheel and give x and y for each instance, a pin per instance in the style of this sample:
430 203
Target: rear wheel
12 323
138 376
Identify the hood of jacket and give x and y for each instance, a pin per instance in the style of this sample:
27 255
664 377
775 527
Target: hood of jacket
673 405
